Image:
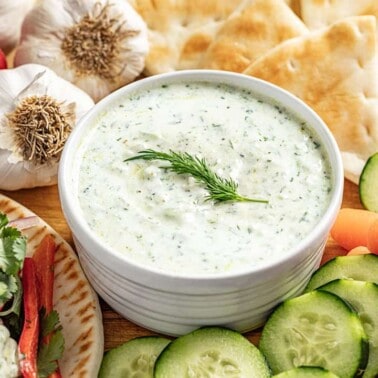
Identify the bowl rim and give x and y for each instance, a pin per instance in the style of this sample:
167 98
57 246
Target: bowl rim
148 274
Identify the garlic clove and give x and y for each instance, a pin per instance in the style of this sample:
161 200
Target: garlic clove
38 110
93 85
95 44
12 13
27 53
24 174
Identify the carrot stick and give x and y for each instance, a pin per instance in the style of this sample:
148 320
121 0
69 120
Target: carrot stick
373 237
352 226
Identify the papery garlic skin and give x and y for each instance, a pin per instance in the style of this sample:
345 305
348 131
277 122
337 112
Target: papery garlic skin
46 40
12 13
16 85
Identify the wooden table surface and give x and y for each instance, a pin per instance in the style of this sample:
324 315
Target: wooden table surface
45 203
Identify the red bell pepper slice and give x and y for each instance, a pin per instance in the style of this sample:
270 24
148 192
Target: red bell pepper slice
55 375
44 257
44 262
28 343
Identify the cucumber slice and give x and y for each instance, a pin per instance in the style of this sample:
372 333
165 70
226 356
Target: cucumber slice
211 352
363 296
368 184
306 372
315 329
135 358
360 267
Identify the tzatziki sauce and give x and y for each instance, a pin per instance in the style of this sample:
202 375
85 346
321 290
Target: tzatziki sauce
8 355
160 219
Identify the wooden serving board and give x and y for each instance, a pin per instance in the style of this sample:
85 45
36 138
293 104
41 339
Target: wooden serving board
45 203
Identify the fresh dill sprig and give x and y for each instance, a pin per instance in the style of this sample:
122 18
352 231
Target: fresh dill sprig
220 189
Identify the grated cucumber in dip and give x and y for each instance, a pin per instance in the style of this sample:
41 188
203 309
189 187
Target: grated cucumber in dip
161 219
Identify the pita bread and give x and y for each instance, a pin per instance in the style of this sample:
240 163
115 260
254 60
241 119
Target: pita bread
295 6
180 31
74 300
321 13
251 32
334 70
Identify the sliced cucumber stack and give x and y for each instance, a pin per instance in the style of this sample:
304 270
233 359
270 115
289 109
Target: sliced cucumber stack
363 296
368 184
306 372
360 267
211 352
315 329
135 358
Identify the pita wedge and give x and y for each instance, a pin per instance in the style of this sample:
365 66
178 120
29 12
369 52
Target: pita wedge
334 70
320 13
180 31
294 5
251 32
74 300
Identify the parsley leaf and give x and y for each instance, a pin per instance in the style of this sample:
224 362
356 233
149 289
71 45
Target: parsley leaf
3 220
11 314
8 287
12 248
50 352
12 255
49 323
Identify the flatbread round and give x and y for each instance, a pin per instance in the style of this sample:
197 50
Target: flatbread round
74 300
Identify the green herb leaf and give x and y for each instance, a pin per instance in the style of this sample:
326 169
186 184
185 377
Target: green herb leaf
12 248
50 353
12 255
49 323
8 287
220 189
3 220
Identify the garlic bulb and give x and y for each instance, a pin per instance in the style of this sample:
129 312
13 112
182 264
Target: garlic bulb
12 14
98 45
38 110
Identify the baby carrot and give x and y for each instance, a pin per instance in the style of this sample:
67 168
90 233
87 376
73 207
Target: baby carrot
351 228
372 243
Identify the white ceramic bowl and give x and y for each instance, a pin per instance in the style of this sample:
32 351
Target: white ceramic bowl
175 304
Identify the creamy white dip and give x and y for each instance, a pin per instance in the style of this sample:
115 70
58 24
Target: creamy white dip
8 355
161 219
